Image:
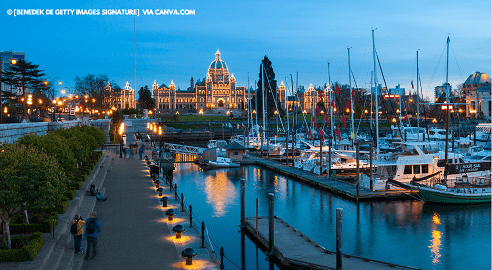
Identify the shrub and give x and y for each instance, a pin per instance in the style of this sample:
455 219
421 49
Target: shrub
76 185
62 207
70 194
26 253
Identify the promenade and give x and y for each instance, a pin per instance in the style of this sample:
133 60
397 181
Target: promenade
135 232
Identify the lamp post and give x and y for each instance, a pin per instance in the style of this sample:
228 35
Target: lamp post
46 83
13 61
121 130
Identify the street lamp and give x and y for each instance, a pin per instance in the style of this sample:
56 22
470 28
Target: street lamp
46 83
13 61
120 131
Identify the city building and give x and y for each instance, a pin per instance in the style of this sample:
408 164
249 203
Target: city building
476 90
441 89
5 58
123 99
219 91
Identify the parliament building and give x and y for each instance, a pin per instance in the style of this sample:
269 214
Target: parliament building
219 91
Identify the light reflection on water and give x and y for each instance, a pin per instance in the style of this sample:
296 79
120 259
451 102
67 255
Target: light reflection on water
402 232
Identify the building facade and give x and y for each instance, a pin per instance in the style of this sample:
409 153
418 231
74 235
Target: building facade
5 58
218 92
476 90
123 99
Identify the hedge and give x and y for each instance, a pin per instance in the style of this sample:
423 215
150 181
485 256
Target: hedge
45 226
76 185
70 194
61 207
26 253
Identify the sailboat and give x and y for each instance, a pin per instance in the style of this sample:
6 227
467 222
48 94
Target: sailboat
464 189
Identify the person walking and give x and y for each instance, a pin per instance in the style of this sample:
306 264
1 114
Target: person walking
92 230
77 237
140 151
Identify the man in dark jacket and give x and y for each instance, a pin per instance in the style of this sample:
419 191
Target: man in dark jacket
92 230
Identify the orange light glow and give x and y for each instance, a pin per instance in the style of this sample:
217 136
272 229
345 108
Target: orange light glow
185 239
174 221
197 264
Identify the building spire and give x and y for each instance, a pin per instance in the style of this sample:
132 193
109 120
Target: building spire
217 55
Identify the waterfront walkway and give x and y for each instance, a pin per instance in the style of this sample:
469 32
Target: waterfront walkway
135 232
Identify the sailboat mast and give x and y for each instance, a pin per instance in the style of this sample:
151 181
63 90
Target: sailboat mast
351 98
331 108
263 98
447 114
418 97
376 95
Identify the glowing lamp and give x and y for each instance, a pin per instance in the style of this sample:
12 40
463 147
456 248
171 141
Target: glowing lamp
179 229
170 214
188 254
160 190
164 201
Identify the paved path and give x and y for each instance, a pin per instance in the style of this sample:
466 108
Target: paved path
135 233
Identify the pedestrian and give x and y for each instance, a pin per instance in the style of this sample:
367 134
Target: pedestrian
78 221
140 151
92 230
94 192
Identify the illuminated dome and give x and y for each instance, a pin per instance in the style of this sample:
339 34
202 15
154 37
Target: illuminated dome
218 70
477 78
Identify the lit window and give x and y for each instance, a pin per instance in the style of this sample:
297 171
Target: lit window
408 169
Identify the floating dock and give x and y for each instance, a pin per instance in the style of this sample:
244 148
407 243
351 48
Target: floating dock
339 187
297 251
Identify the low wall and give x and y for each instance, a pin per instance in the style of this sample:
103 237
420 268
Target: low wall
10 133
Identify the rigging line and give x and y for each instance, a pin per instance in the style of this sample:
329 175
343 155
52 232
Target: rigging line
455 59
435 69
391 103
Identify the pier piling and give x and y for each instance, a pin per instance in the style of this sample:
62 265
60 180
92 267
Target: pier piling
339 237
270 224
243 203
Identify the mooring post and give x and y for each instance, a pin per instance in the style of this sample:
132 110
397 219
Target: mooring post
221 258
339 238
256 230
243 219
182 203
191 217
176 191
270 224
203 234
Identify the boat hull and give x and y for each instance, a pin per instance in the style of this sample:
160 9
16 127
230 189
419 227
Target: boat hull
436 196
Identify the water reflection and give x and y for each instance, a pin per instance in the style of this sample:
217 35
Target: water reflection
220 191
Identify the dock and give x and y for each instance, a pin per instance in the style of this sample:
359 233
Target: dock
295 250
335 186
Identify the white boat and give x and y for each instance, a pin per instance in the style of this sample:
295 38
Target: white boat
221 162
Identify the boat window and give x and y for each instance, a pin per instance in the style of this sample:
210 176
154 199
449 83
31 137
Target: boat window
461 160
440 163
408 169
416 169
236 152
425 168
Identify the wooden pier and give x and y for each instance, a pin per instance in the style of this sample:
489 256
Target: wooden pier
342 188
295 250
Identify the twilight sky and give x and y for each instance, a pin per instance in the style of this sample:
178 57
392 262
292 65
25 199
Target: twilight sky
296 37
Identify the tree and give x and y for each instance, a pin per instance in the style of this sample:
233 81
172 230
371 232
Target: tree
145 100
27 77
30 178
270 90
95 88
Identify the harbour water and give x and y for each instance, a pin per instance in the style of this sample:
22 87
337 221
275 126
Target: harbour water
408 233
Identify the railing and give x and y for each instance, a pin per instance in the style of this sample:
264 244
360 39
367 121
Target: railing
185 149
200 225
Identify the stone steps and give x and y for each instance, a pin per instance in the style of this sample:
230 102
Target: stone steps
58 252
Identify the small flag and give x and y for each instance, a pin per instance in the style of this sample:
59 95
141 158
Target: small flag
311 134
337 89
348 105
314 121
412 84
406 118
321 134
332 103
353 92
327 119
343 121
352 135
338 134
408 107
317 108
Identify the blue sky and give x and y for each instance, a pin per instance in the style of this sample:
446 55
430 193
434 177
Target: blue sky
297 37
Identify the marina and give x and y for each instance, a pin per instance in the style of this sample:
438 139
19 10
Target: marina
381 230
